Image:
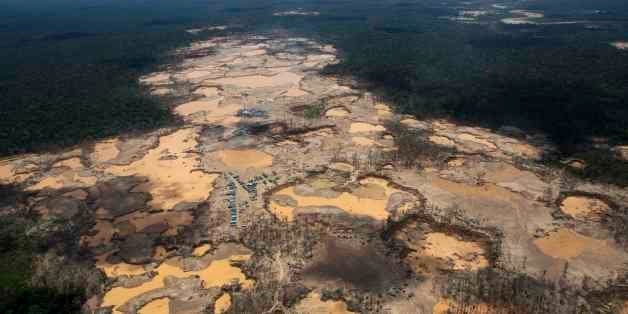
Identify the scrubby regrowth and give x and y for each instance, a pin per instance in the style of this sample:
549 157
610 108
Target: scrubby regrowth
285 190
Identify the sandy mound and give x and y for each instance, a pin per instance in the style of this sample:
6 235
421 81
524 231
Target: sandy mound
222 304
341 166
441 140
362 127
413 124
201 250
337 112
363 141
6 172
583 206
245 158
312 304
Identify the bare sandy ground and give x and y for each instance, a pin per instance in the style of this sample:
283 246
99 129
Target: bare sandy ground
583 206
172 171
567 244
370 198
361 127
464 255
158 306
219 272
312 304
246 158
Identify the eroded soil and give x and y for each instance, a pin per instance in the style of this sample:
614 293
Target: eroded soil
174 212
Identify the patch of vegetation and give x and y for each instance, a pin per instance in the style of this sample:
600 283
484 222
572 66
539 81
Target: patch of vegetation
414 150
314 111
40 268
510 291
602 165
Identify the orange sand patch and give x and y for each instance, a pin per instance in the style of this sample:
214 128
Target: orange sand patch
159 306
381 106
566 244
222 304
372 206
218 273
260 81
245 158
105 151
445 306
197 106
441 140
160 253
411 123
208 92
359 127
312 304
341 166
72 163
201 250
583 206
471 192
6 172
463 254
210 112
442 307
383 111
336 113
170 169
472 138
294 92
321 132
65 179
191 75
456 162
120 269
363 141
